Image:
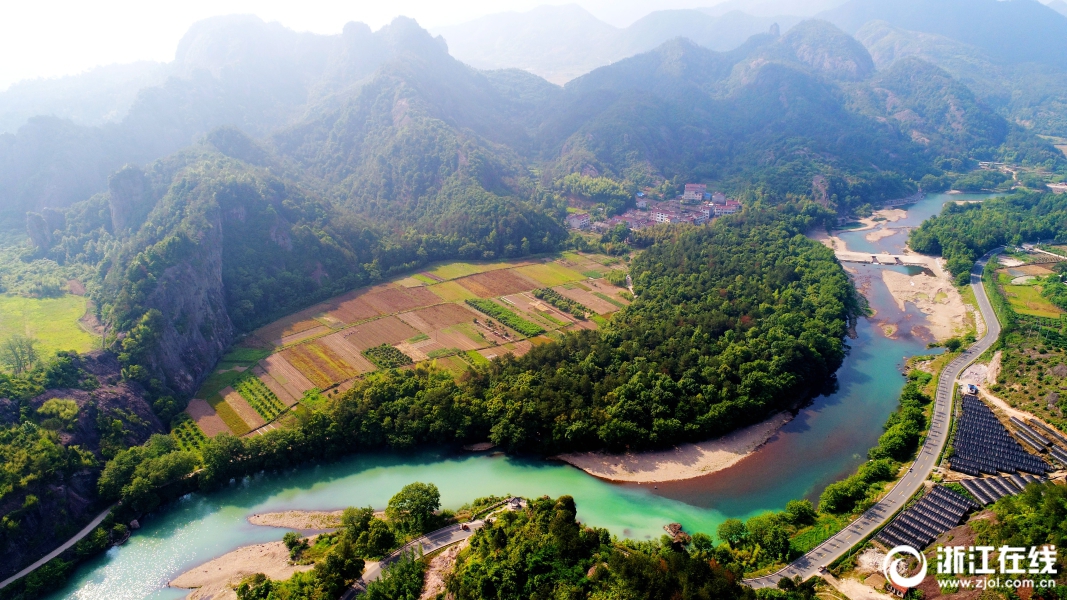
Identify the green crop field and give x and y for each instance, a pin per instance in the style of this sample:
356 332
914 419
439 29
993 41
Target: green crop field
506 317
259 397
1027 300
187 434
52 321
456 270
550 274
387 357
450 291
216 381
242 357
476 359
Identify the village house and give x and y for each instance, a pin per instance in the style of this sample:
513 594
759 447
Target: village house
579 221
694 192
727 208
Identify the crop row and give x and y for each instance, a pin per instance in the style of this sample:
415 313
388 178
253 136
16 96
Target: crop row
562 302
259 397
187 434
387 357
507 317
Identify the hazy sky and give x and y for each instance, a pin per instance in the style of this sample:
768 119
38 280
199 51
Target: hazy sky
50 38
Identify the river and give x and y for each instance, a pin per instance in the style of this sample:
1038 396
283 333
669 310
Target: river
825 442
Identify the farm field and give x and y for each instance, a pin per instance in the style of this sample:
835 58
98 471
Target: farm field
1022 289
52 321
415 318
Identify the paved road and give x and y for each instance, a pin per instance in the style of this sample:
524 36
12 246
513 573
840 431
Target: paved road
836 547
74 540
429 542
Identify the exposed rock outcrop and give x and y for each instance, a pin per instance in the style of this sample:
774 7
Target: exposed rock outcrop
197 327
37 229
128 198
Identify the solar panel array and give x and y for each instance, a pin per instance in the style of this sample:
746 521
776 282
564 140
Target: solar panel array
938 511
983 445
1047 437
990 489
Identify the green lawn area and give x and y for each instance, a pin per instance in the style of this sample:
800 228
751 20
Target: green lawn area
53 321
550 274
1027 300
456 270
810 537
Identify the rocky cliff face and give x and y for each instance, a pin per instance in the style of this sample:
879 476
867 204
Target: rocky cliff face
128 198
197 329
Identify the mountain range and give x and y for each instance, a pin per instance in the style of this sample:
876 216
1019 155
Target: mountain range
272 169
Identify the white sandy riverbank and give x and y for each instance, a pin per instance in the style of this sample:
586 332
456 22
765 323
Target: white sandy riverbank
681 462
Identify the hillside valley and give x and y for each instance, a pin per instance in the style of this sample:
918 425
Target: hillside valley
295 248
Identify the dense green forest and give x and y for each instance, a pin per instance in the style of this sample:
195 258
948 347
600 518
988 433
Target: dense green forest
543 552
962 233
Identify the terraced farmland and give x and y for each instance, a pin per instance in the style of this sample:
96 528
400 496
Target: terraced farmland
425 316
259 397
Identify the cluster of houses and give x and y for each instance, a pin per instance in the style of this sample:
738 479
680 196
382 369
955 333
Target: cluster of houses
695 206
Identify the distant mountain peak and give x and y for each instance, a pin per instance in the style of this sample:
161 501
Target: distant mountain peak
1059 6
830 51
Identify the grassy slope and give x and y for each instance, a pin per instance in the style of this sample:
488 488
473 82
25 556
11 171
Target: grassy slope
53 321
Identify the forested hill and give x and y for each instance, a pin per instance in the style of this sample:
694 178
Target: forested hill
733 322
353 157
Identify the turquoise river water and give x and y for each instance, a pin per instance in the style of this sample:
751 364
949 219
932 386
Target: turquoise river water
826 441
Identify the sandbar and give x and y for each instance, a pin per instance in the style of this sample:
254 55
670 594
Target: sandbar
685 461
299 519
215 579
934 295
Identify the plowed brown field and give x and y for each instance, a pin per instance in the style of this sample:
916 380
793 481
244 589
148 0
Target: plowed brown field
497 283
387 330
438 317
303 335
529 304
319 364
206 418
602 286
598 305
348 352
353 309
279 390
517 348
400 299
242 408
286 375
289 326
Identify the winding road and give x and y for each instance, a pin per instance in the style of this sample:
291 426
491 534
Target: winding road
878 515
60 550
